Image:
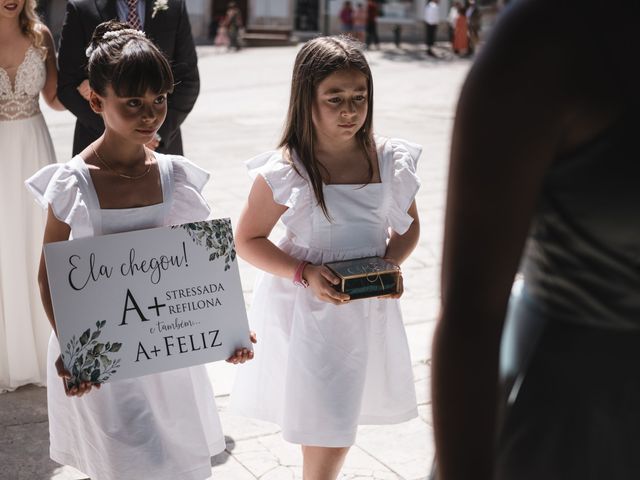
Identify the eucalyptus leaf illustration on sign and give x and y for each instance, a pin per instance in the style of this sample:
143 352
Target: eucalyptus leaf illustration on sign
216 236
88 360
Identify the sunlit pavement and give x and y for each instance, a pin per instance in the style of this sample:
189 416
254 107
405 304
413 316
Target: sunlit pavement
240 113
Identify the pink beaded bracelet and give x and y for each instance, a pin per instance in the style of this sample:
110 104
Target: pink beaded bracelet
297 277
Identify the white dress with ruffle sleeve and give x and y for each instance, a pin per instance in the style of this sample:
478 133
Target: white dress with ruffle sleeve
163 426
321 369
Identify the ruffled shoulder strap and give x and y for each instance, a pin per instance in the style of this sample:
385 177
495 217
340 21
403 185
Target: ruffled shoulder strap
399 164
59 185
188 173
184 183
286 182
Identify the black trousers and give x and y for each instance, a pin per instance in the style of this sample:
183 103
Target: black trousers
372 34
576 414
431 35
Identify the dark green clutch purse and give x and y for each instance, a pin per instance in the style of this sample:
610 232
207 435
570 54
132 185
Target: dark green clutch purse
365 277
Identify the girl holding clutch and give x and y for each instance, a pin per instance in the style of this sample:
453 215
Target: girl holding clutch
328 364
160 426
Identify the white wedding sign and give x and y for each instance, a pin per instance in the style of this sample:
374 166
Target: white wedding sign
135 303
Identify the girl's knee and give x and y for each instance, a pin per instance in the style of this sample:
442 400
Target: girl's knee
322 463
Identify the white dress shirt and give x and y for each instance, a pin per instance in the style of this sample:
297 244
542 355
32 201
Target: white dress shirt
432 13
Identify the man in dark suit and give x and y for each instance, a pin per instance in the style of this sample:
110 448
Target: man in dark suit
166 23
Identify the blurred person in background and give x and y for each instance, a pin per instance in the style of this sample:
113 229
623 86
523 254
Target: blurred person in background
222 35
233 24
359 22
451 20
346 18
431 19
543 180
473 22
461 34
373 11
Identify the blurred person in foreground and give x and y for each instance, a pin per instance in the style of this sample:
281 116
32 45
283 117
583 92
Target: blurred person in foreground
544 177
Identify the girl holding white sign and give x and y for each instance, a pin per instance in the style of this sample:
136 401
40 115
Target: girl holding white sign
327 364
160 426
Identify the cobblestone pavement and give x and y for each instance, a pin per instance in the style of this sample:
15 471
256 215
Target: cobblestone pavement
240 113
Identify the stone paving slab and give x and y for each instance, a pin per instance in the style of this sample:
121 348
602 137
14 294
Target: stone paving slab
403 449
227 467
28 407
240 113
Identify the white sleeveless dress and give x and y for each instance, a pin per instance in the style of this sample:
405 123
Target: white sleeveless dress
321 369
25 147
163 426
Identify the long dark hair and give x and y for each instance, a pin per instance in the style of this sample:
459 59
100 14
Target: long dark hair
318 59
128 61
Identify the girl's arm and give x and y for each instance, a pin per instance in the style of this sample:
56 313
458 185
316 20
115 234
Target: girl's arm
49 91
257 219
55 231
401 246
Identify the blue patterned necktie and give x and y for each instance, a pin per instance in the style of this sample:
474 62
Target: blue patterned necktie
133 19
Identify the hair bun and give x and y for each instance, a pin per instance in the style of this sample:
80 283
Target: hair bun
109 30
126 60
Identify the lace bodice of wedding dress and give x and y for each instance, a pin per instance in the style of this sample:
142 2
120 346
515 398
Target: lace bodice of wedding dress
19 99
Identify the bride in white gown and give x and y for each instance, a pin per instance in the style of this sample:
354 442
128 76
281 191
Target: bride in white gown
27 68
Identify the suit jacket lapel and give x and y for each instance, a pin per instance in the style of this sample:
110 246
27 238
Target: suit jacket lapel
107 9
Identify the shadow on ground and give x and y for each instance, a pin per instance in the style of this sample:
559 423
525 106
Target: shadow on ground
24 436
413 53
223 456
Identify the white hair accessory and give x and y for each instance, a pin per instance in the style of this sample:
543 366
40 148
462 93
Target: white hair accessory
129 31
115 34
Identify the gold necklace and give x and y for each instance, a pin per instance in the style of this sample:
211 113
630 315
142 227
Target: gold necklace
123 175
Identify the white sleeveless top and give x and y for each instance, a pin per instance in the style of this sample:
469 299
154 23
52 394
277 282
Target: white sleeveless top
69 190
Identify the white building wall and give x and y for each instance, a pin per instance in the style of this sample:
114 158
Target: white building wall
274 13
271 13
199 15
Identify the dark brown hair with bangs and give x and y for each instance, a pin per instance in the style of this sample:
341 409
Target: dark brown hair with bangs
318 59
126 60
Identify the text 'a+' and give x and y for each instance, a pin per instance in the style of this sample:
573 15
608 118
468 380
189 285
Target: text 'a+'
156 306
